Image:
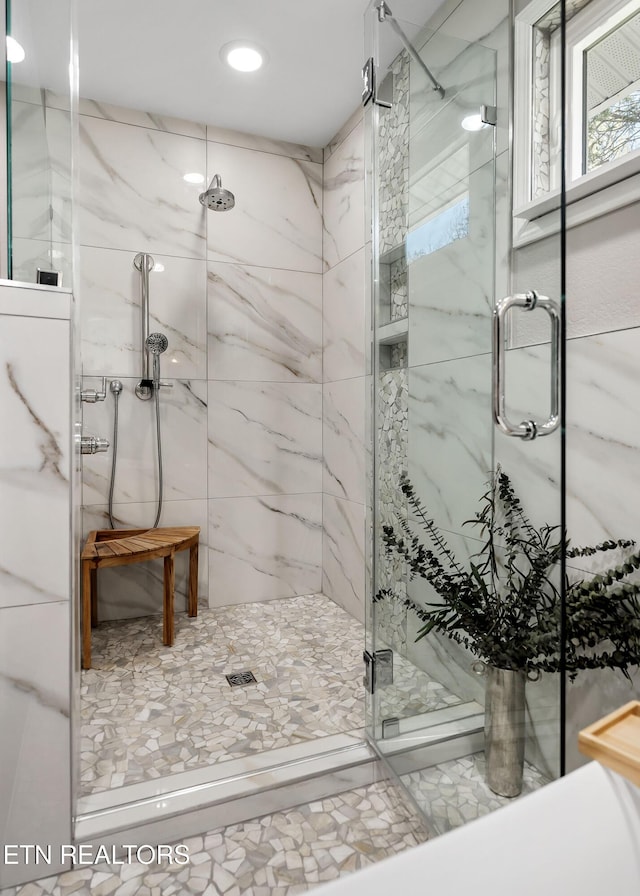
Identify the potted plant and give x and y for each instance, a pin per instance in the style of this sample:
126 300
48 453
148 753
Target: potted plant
505 606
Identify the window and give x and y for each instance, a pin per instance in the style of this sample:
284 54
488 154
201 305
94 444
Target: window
602 112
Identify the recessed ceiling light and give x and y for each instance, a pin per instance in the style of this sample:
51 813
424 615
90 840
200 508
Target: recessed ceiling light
243 56
15 51
158 268
473 122
194 178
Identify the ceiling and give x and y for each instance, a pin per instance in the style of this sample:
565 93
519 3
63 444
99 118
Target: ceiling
162 56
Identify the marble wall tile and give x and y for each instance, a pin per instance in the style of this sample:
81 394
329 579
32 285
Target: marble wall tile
28 255
133 195
110 322
451 436
602 277
344 199
603 437
183 419
355 118
264 324
30 173
504 223
343 439
343 562
472 23
451 290
110 314
35 789
344 319
34 459
264 438
276 221
264 144
41 173
264 548
136 590
534 467
150 120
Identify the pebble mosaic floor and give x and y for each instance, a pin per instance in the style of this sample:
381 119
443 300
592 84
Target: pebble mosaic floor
150 710
455 792
278 855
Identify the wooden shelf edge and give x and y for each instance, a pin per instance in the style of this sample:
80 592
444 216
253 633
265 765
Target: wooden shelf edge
614 741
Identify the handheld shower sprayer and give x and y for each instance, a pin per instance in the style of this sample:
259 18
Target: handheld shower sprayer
156 343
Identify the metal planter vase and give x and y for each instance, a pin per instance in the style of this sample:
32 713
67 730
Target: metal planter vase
504 730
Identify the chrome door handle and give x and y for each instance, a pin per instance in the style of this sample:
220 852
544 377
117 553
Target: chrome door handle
528 429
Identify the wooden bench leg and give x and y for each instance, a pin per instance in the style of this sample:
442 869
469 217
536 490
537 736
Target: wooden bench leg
169 585
192 599
94 597
86 615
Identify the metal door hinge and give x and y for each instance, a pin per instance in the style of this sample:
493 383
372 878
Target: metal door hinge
381 94
378 669
390 727
489 115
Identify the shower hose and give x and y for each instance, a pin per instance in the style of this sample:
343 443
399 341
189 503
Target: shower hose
114 457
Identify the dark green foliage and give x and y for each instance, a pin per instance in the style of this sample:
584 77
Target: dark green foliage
505 605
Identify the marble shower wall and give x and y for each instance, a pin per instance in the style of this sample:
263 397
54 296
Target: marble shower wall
35 574
344 369
603 422
239 296
41 183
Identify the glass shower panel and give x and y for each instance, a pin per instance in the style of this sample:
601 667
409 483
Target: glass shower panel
39 128
442 257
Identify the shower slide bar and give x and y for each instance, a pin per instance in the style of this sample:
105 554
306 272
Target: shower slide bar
145 264
385 14
528 429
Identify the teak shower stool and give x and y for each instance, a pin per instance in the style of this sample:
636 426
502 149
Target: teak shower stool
119 547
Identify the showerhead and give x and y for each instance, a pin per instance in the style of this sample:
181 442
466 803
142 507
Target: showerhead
156 343
217 199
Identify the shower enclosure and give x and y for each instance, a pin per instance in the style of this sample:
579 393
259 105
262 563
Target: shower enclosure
447 399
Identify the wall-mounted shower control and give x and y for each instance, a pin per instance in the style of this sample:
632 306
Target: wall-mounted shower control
93 395
93 445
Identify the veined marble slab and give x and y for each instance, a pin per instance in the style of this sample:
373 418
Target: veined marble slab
343 212
133 194
34 458
35 790
183 419
343 439
264 547
343 568
276 221
451 436
264 324
343 289
264 144
111 307
264 438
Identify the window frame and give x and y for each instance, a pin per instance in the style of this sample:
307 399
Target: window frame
606 188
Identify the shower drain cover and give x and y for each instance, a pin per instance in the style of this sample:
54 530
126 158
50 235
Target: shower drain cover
239 679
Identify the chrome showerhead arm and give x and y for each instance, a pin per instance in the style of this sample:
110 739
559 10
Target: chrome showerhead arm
385 14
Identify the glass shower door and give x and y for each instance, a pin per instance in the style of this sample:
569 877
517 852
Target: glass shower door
443 258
